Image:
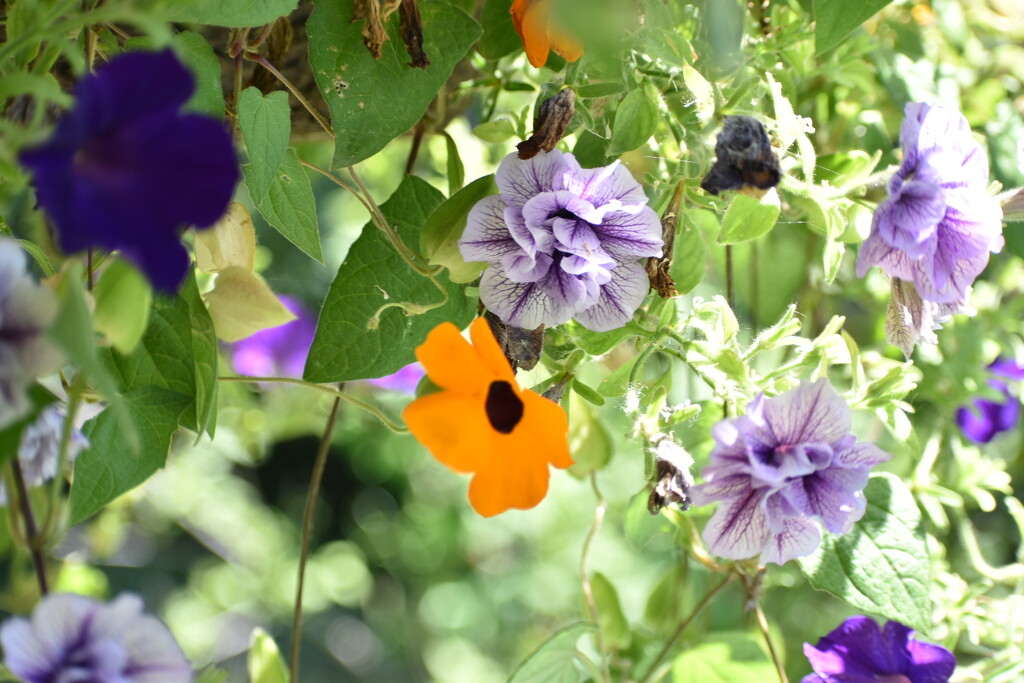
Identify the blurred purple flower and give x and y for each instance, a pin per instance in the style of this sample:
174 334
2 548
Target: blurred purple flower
790 459
562 242
988 417
278 351
126 168
859 652
75 638
404 381
26 311
939 224
39 449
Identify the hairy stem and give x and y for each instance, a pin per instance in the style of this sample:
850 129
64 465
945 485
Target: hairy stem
307 533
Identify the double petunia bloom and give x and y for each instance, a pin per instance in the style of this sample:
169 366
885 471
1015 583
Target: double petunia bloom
482 422
789 460
126 169
562 242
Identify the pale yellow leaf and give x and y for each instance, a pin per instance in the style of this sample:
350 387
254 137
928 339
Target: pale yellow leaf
230 242
242 304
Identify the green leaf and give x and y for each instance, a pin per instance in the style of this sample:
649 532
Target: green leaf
615 384
108 467
439 239
748 218
266 126
290 206
230 13
689 254
372 101
635 119
456 170
836 19
123 298
10 436
265 662
555 660
496 131
372 275
178 353
195 50
881 565
724 658
614 627
500 37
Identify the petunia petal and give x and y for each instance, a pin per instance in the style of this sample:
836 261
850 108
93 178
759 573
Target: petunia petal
619 299
813 412
452 363
738 529
930 663
153 654
603 186
526 305
629 236
453 428
799 537
520 180
487 237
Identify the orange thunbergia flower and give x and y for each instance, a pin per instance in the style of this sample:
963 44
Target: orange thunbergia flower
482 422
530 18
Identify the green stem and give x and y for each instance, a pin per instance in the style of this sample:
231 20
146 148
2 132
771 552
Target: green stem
33 539
588 593
776 660
337 393
265 63
307 534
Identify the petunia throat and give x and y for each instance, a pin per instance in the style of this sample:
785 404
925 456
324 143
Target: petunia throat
504 408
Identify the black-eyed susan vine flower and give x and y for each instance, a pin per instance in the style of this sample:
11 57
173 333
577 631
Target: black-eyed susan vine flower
533 24
482 422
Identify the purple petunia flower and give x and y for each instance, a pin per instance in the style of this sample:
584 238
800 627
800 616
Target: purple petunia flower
278 351
790 459
39 449
75 638
26 311
126 168
561 242
939 224
989 418
859 652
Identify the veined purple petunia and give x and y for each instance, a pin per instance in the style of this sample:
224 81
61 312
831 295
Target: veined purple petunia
788 460
126 168
39 449
75 638
982 421
857 651
939 224
562 242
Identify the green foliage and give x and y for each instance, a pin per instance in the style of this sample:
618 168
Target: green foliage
724 658
265 122
231 13
265 662
555 660
835 19
290 207
439 239
199 56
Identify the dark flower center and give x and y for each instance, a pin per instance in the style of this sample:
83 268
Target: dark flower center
504 408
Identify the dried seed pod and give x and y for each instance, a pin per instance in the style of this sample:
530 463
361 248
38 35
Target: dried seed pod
550 124
745 158
521 347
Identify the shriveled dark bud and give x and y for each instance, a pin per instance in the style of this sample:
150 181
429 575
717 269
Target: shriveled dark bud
549 125
521 347
658 266
672 478
411 28
745 158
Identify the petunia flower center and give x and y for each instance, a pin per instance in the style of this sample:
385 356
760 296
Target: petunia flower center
504 408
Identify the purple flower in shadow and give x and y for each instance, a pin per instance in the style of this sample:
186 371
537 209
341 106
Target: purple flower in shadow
859 652
39 449
986 418
939 224
788 460
404 381
75 638
126 168
562 242
279 351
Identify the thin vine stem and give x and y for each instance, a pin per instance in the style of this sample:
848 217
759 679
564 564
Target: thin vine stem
762 623
670 643
33 540
265 63
307 534
588 593
337 393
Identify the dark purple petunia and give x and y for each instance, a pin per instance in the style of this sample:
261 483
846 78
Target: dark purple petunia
75 638
278 351
788 460
940 223
859 652
562 242
986 418
126 168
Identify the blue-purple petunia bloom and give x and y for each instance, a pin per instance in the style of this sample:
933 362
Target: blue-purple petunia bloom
986 418
939 224
75 638
562 242
278 351
126 168
788 460
859 652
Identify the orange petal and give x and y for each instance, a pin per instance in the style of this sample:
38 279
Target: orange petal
533 29
452 363
516 479
565 46
545 427
454 429
489 350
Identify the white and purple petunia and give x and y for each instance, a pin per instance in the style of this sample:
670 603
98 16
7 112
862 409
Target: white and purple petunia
857 650
788 460
562 242
127 168
75 638
39 449
939 224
